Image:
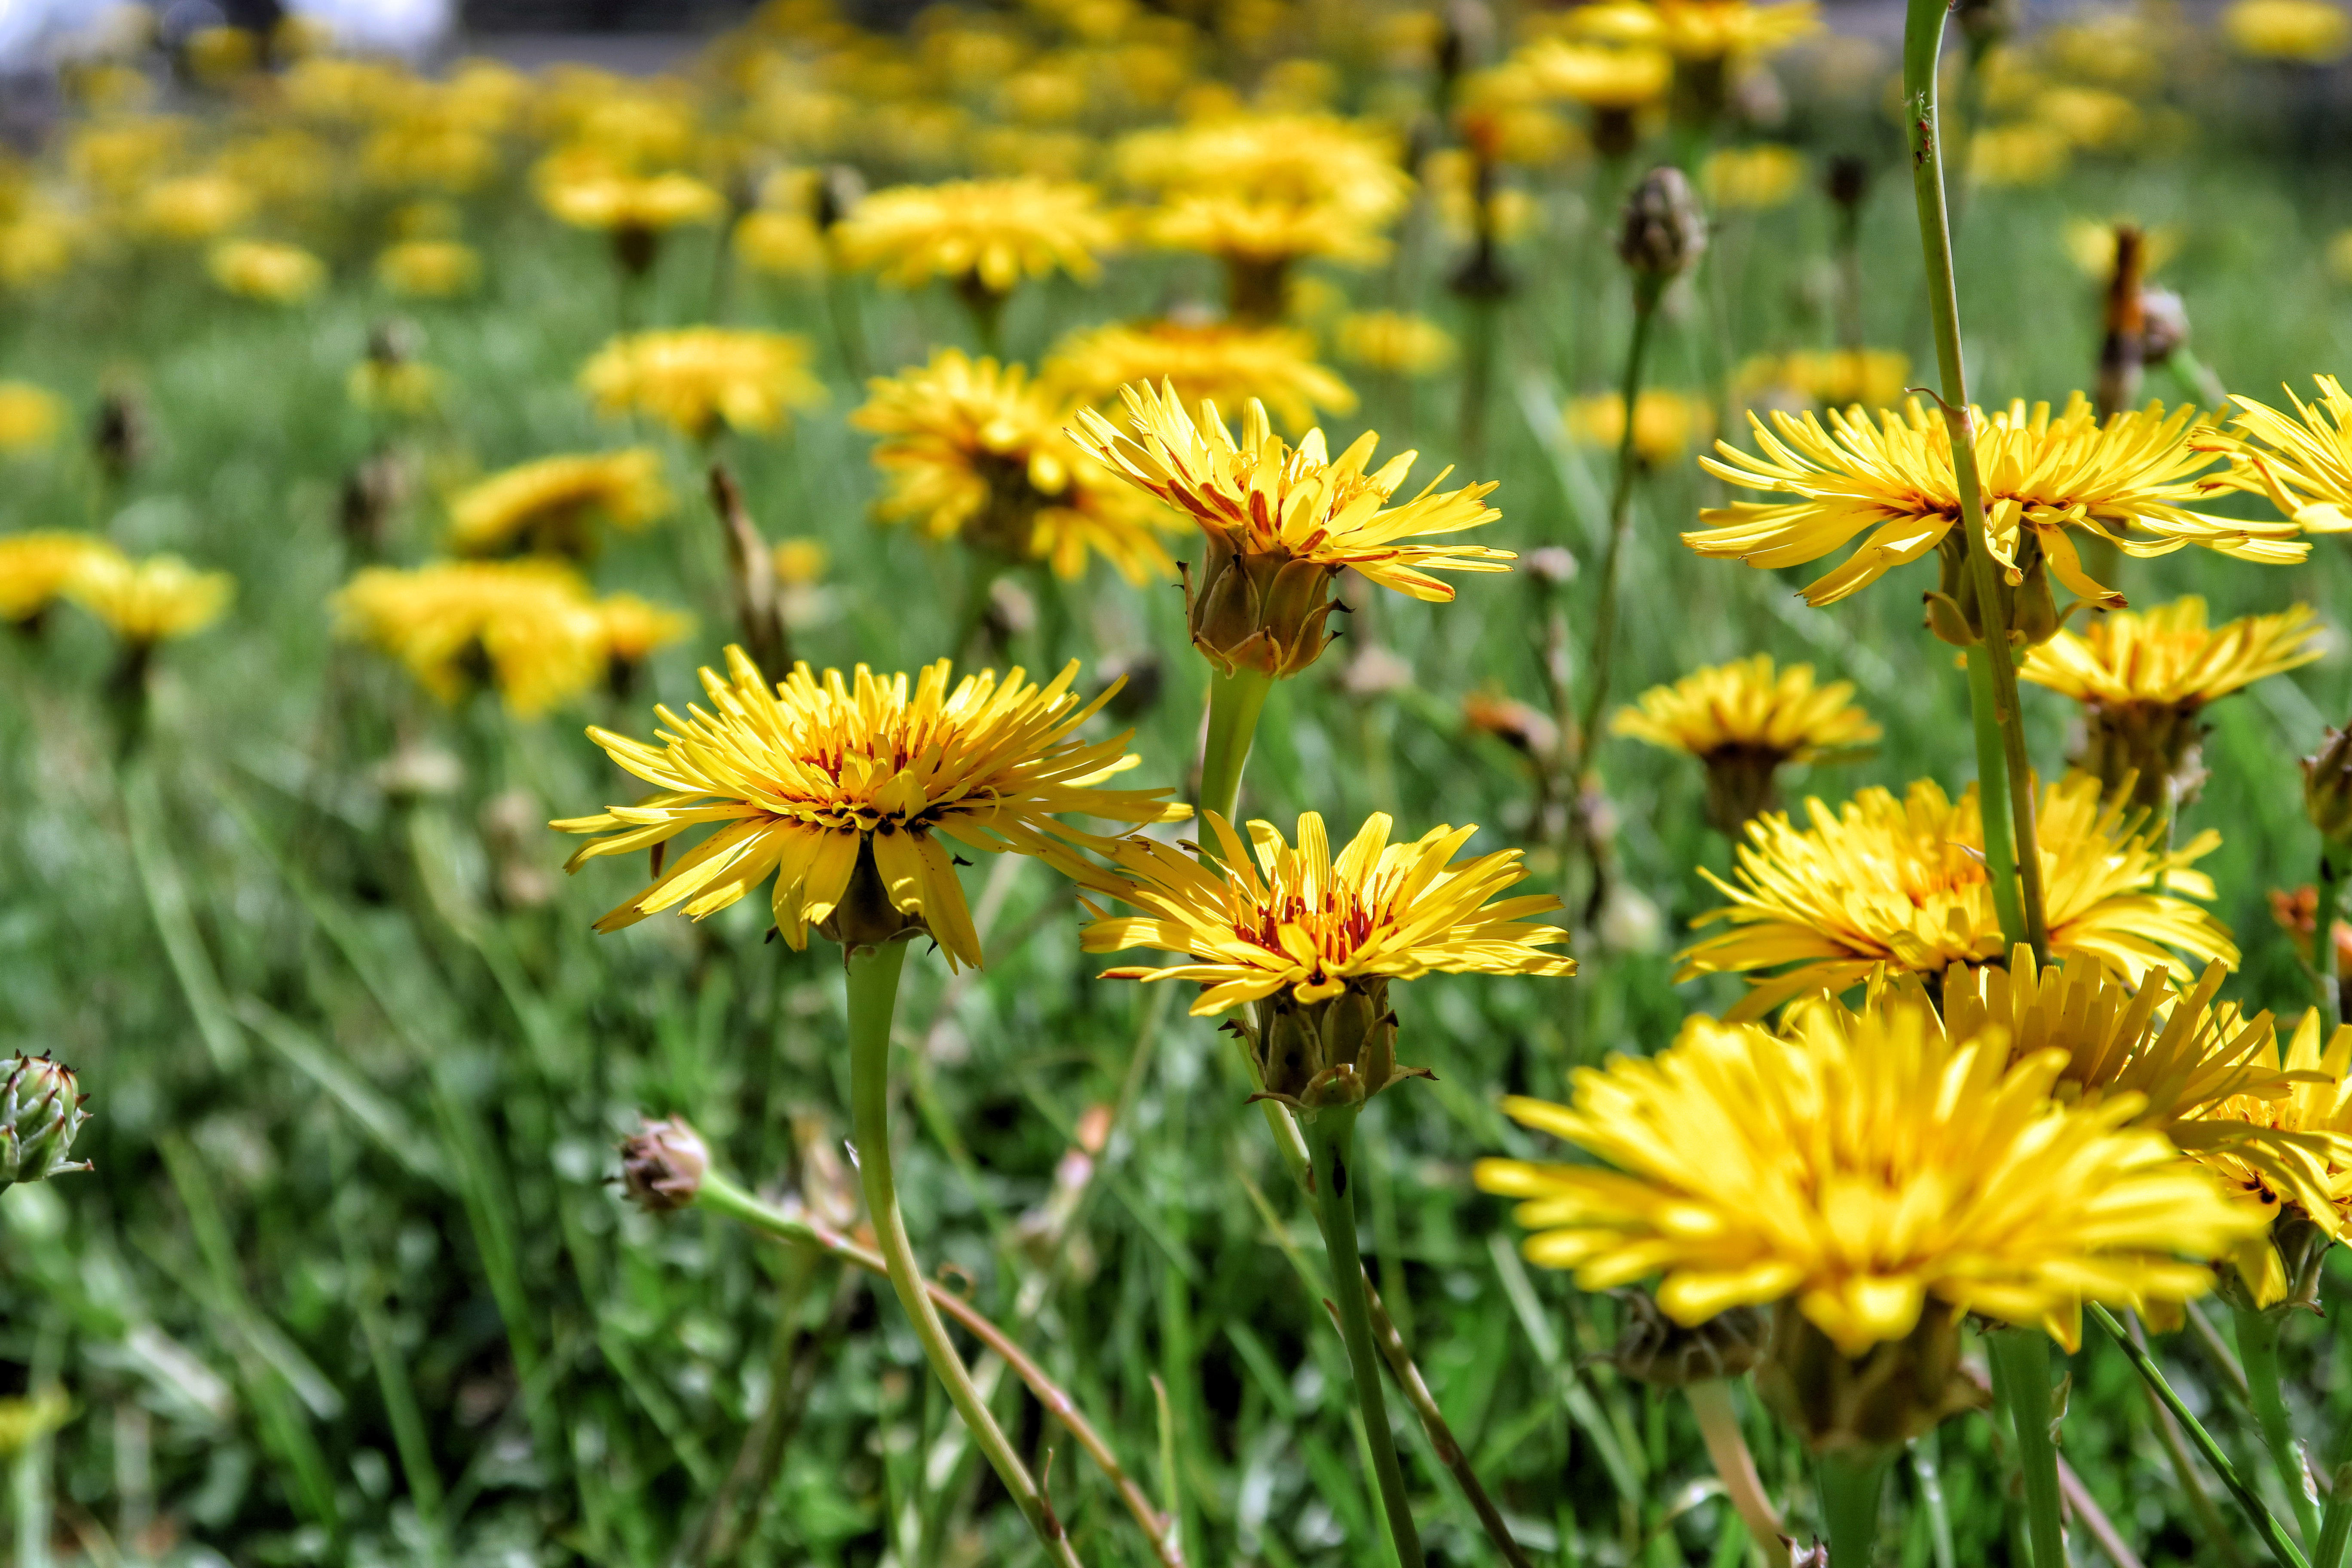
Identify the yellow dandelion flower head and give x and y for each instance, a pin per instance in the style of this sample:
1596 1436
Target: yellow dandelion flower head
1269 187
194 206
119 157
1831 378
2091 246
36 568
2283 1148
589 193
30 417
267 270
1666 422
1700 31
1264 498
548 504
2043 478
801 560
994 232
393 386
977 450
287 167
2167 657
1765 175
1598 75
150 601
2307 32
2303 461
38 243
1900 883
803 778
1297 920
25 1419
2091 118
631 627
1859 1170
1394 342
429 268
1471 204
697 378
1224 363
1745 705
528 627
217 55
2019 154
786 244
429 147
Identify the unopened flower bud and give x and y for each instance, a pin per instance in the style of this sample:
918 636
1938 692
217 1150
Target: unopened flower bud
1264 613
2327 790
41 1112
1552 566
663 1163
1664 231
1848 181
1340 1051
1653 1347
2163 324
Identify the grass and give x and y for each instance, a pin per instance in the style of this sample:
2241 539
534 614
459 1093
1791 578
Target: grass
351 1281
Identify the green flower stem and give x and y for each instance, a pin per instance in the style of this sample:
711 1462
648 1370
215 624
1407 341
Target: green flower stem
2329 896
1923 38
1330 1135
2266 1524
2258 1335
1235 702
2335 1523
1851 1483
873 1000
1718 1427
1647 291
2021 1366
1992 800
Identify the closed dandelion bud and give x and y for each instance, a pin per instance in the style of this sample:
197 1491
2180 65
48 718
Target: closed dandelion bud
1848 182
1664 231
2327 790
41 1112
663 1164
1258 612
1340 1051
1895 1391
2163 324
1653 1347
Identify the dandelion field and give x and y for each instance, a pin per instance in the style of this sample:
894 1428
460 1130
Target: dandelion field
379 1259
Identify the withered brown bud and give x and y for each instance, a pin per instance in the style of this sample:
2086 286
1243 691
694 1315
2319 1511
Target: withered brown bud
1264 613
1315 1055
1848 181
1891 1393
663 1164
1653 1347
1664 231
2327 790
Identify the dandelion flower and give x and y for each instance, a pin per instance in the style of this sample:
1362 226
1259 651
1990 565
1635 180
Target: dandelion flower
1598 75
194 206
1860 1171
1666 422
1224 363
2303 463
986 235
1901 883
2023 155
1394 342
1753 177
697 378
821 781
548 505
2305 32
1313 942
1282 522
1709 30
2143 680
1829 378
2043 479
393 384
150 601
976 451
801 561
36 568
527 627
785 244
30 417
631 630
1746 723
607 199
264 270
429 268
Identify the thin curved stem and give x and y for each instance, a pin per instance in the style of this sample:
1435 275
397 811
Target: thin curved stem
1330 1135
1235 702
1851 1484
1726 1447
873 999
2266 1524
2021 1366
1621 518
2258 1335
1922 37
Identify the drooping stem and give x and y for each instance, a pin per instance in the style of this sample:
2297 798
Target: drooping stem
873 1000
1235 702
1620 510
2020 1369
2258 1334
1851 1483
1718 1427
2329 894
1922 37
1330 1135
2266 1524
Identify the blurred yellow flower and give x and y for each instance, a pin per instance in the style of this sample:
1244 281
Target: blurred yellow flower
30 417
800 561
194 206
983 234
2307 32
147 602
697 379
549 506
217 56
1601 75
608 199
2303 463
429 268
267 270
424 148
1223 362
25 1419
35 569
2090 118
37 244
1666 422
1765 175
633 628
2020 155
2339 255
1899 885
2091 246
788 244
1394 342
288 167
528 627
392 385
1745 706
2167 657
1831 378
119 158
1269 187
